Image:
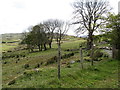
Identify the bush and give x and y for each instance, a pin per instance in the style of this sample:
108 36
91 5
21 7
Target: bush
26 66
68 66
97 54
4 62
52 60
67 55
38 65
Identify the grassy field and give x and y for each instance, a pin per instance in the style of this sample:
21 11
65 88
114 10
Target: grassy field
8 46
46 76
102 75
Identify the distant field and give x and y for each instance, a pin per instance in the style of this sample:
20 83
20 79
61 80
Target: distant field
9 46
11 37
10 41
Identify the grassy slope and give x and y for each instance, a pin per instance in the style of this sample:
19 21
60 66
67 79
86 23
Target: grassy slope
10 37
102 75
9 46
47 76
13 69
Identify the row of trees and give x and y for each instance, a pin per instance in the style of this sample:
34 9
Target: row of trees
43 34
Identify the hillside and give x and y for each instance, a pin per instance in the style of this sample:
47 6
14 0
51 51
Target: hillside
11 37
102 75
22 69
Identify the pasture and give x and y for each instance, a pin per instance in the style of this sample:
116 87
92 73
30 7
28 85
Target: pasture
21 69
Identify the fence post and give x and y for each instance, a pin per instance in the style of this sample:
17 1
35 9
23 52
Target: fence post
92 52
81 56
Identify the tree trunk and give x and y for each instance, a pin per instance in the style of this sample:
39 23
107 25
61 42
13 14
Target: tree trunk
59 58
90 41
45 46
115 52
39 48
92 52
50 45
31 48
118 54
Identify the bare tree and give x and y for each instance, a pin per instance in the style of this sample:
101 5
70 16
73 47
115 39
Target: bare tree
50 26
90 14
61 30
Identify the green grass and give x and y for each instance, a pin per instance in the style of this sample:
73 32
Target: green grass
102 75
70 44
13 69
9 46
72 77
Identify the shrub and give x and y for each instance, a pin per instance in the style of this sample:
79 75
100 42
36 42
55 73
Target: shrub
3 42
52 60
17 56
67 55
68 66
97 54
26 66
38 65
4 62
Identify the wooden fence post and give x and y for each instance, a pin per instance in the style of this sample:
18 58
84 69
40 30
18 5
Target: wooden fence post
59 58
81 56
92 52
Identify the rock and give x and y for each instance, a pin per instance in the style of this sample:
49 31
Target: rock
71 62
37 70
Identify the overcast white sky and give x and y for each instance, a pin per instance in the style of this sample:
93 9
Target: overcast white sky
17 15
